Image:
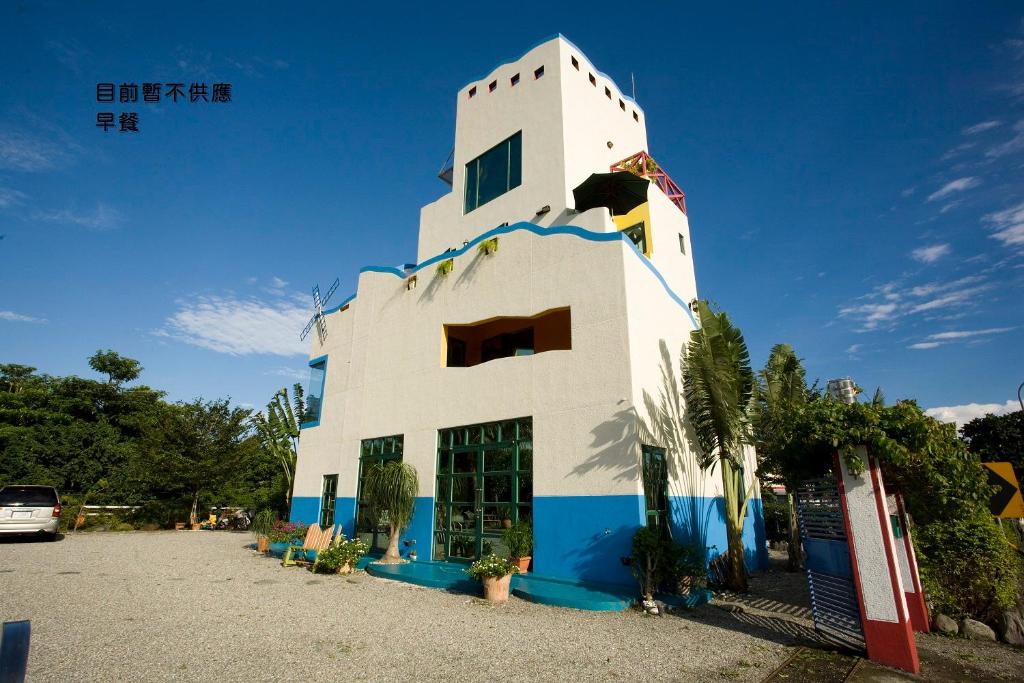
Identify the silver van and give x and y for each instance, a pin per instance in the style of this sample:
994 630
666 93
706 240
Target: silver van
29 510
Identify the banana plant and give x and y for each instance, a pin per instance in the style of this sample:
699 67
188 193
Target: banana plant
278 430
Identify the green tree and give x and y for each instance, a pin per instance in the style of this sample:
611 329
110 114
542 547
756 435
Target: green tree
200 448
15 376
391 490
718 385
116 367
782 386
278 431
998 438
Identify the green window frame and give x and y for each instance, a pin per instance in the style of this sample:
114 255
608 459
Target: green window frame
380 450
655 480
638 235
494 172
484 484
328 499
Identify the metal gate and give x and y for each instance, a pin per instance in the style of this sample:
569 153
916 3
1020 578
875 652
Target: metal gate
829 571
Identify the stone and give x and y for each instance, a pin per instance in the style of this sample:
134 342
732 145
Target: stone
975 630
1011 627
945 625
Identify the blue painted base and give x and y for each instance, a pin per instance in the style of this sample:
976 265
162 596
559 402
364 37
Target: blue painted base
540 589
701 521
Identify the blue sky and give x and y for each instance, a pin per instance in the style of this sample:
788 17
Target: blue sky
854 176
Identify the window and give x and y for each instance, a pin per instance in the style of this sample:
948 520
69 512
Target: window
638 235
494 172
315 392
608 93
472 91
622 105
504 337
682 243
593 81
538 72
328 497
636 117
371 529
493 86
575 63
514 80
655 474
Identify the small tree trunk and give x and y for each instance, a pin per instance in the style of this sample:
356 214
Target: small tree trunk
391 555
732 489
795 560
195 504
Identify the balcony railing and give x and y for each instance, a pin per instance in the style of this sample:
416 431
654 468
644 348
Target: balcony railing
643 165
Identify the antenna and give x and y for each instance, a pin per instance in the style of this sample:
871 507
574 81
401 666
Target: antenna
318 312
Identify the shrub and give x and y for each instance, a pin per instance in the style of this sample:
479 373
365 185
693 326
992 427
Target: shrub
519 539
492 566
262 523
332 559
655 560
285 532
776 517
967 567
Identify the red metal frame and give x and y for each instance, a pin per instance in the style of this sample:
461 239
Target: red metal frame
643 165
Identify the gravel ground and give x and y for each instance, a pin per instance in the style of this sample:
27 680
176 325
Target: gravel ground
200 606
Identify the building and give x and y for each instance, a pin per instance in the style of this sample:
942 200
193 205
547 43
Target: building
509 365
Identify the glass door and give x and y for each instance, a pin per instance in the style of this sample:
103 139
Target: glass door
484 485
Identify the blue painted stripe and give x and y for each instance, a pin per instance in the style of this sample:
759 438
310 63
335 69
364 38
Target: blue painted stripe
573 230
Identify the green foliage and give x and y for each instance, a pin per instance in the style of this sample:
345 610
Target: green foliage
660 564
967 567
71 432
998 438
719 388
444 267
332 559
278 432
519 539
116 367
488 246
776 517
492 566
391 489
262 522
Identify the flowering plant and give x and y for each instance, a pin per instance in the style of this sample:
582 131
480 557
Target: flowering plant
283 532
331 560
492 566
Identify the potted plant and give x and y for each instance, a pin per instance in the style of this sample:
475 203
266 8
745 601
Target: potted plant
495 573
445 267
283 534
506 517
260 527
519 539
488 246
391 490
340 558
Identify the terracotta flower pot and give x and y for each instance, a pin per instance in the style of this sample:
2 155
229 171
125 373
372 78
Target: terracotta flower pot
523 563
262 544
507 523
496 588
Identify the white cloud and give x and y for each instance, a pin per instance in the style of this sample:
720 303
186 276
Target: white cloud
872 316
103 217
964 334
9 197
21 152
1014 144
290 372
1009 225
956 297
965 413
981 127
958 185
13 317
924 345
931 254
854 348
240 326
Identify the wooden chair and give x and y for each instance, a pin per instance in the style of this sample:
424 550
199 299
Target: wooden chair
312 539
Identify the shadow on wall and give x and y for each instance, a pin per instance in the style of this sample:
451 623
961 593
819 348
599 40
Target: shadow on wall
695 518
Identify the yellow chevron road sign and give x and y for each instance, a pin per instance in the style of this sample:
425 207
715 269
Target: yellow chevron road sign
1006 502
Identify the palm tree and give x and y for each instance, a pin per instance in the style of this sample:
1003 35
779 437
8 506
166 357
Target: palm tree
718 385
782 386
278 431
391 490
